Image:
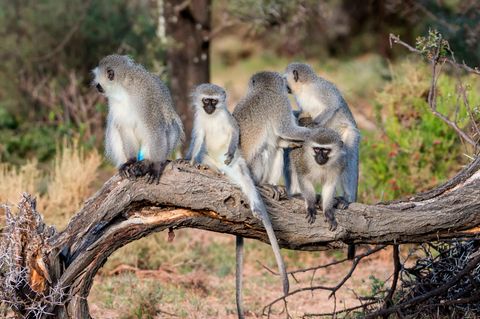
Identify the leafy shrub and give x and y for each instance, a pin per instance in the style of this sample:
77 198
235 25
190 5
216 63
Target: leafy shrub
414 150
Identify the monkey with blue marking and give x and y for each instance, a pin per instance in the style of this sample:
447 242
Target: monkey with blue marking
142 125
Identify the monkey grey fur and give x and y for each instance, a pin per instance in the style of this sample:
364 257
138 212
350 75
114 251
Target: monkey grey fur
267 125
322 159
142 126
215 140
322 101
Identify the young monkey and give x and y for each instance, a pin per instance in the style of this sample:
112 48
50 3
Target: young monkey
322 159
215 139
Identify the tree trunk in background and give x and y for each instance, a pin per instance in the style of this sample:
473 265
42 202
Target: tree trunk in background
188 57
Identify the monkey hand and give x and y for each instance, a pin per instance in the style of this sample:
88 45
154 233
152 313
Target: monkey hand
341 202
306 121
330 219
154 171
311 214
275 192
228 158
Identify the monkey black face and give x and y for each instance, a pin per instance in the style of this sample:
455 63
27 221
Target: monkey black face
321 155
209 105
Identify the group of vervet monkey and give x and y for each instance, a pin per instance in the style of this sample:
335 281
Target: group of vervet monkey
255 144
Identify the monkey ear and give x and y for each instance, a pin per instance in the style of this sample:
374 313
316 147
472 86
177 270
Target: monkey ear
295 75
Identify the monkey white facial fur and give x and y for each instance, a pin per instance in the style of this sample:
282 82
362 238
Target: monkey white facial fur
142 125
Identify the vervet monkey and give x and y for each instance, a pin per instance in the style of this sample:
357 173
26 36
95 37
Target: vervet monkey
321 100
215 140
267 125
142 125
321 160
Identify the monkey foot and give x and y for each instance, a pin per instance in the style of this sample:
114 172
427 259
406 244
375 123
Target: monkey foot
155 171
228 158
341 203
311 215
125 168
274 191
330 219
183 161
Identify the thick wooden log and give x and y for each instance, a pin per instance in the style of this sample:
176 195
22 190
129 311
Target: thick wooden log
62 265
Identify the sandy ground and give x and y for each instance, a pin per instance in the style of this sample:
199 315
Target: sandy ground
207 295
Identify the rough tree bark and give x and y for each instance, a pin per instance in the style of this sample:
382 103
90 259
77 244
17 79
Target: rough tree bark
53 271
188 24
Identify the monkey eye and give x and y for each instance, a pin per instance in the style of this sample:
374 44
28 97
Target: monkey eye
204 100
322 150
214 101
110 74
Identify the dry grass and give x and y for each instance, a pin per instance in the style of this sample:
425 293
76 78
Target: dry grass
60 190
70 182
15 180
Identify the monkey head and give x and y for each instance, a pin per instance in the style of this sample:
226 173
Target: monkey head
209 97
267 80
298 74
325 146
112 72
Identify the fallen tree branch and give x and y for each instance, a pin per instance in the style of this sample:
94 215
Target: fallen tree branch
48 273
471 265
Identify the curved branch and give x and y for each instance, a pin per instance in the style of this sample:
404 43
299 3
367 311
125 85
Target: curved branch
61 266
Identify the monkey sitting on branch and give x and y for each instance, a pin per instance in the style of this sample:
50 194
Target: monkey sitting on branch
322 101
215 140
142 125
321 160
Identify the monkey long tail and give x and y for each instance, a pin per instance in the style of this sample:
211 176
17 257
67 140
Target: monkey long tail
243 179
238 277
276 251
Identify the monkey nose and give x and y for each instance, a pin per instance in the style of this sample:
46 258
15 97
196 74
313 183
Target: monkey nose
209 108
100 88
